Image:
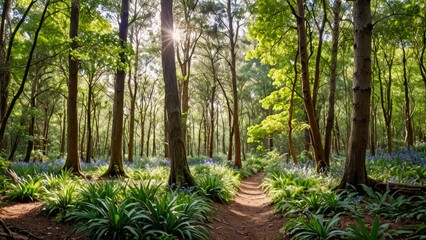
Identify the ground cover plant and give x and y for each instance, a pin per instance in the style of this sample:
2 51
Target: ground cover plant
139 207
142 206
317 211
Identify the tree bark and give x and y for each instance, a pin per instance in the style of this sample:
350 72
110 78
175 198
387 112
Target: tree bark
233 36
307 99
290 114
386 97
421 62
5 57
4 71
212 120
73 161
333 78
116 162
179 170
355 170
409 135
89 139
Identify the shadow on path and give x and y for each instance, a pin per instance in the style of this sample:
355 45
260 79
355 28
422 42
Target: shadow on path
249 217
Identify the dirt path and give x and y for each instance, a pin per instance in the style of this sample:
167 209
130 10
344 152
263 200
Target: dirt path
249 217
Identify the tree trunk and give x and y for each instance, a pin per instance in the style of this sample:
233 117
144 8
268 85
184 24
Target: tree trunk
421 62
73 161
4 71
409 135
355 171
132 93
116 162
233 36
63 128
290 114
386 98
307 99
212 120
179 169
333 77
30 143
89 147
318 58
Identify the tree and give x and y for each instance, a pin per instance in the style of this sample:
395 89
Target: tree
355 170
73 161
179 170
116 167
307 98
5 109
233 35
185 48
333 78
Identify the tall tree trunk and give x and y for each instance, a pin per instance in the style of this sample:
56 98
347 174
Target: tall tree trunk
373 112
421 62
409 135
307 99
233 37
212 120
333 77
179 169
73 161
4 71
355 171
107 148
63 128
30 142
290 113
89 147
318 58
132 93
386 97
116 162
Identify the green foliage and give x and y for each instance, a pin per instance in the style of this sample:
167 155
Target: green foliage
215 187
56 181
251 166
360 231
144 191
395 206
164 219
4 181
313 227
101 190
105 218
28 189
60 201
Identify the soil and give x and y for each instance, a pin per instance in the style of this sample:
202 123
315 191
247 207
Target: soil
249 217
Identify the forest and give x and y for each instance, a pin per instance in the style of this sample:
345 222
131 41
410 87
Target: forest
212 119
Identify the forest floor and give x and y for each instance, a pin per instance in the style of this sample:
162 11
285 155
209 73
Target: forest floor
249 217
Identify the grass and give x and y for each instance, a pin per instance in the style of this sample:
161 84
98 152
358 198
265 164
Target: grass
119 207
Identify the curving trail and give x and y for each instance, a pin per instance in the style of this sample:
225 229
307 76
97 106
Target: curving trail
249 217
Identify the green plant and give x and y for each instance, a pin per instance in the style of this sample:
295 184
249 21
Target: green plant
27 190
193 206
60 201
144 191
108 189
377 231
213 186
51 180
313 227
106 219
164 219
390 205
336 203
